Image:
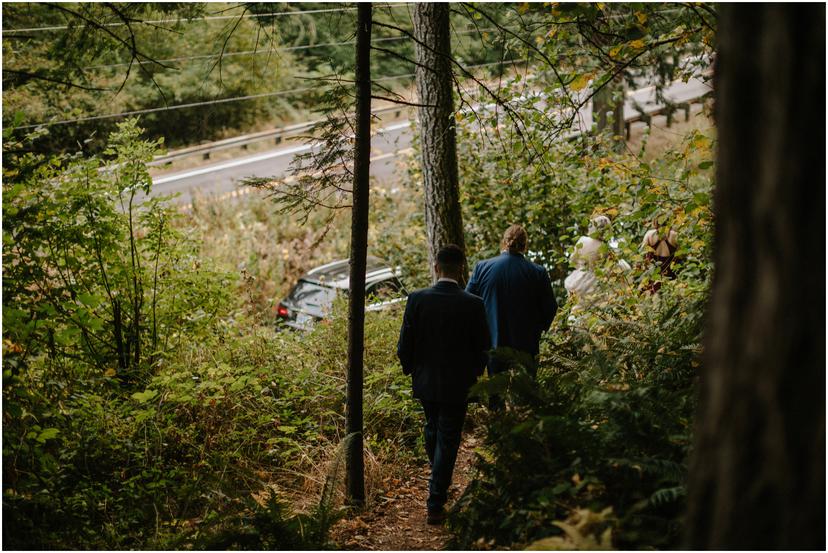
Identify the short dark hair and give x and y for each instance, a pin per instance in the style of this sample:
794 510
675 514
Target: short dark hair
450 258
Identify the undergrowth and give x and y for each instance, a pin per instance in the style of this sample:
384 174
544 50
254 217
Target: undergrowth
215 429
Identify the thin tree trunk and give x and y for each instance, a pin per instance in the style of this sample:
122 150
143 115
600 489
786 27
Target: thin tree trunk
757 478
603 105
359 251
443 219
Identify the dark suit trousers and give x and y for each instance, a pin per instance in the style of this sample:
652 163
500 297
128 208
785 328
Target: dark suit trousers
443 426
496 366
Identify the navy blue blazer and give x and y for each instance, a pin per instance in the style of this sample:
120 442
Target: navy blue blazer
520 304
444 342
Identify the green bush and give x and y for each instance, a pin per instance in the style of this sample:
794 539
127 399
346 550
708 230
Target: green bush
206 437
242 412
92 279
607 423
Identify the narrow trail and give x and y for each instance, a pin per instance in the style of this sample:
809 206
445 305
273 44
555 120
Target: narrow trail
396 520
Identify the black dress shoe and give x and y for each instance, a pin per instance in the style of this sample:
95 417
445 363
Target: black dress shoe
436 517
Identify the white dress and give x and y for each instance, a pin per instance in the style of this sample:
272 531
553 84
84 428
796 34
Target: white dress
582 281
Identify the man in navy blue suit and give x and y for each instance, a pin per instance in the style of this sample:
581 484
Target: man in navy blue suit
443 344
520 304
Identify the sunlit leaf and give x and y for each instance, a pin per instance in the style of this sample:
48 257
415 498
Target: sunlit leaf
144 396
47 434
580 82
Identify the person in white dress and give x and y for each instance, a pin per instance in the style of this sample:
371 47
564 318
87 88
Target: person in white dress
590 251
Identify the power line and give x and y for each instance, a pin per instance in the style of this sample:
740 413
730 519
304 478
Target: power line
167 108
271 50
244 53
208 18
219 101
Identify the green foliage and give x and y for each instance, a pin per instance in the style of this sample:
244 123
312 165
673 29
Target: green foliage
240 412
608 421
607 425
554 188
282 65
89 274
206 437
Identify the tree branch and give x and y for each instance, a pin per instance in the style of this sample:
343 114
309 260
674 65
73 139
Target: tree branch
403 102
527 44
135 53
26 76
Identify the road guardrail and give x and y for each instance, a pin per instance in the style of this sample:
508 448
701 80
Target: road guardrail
242 141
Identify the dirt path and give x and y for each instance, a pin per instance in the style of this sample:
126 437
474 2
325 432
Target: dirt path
396 520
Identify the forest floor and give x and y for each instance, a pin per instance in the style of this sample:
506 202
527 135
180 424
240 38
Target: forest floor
396 520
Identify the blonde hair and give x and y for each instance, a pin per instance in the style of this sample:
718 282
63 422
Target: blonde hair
598 224
514 239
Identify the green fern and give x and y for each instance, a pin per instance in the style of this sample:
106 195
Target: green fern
666 495
662 469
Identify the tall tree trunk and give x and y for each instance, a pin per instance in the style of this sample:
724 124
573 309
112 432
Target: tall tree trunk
757 477
443 219
359 250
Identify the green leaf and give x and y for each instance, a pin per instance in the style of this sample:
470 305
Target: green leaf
561 488
239 384
89 300
701 198
47 434
706 164
144 396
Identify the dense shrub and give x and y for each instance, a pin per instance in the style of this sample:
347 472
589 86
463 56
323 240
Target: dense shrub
207 437
606 425
603 434
236 413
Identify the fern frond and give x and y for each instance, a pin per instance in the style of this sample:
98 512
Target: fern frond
660 468
666 495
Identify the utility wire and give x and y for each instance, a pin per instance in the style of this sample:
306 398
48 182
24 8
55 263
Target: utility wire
245 53
208 18
271 50
222 100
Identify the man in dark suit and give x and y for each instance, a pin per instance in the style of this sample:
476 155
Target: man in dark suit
443 344
520 304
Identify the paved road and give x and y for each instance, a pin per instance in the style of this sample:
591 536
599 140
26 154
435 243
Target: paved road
221 179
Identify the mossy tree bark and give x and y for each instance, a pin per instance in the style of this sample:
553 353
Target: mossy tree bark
443 219
757 476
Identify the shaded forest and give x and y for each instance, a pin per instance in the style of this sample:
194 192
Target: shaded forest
152 400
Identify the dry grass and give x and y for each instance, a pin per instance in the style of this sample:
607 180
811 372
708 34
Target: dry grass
269 250
661 138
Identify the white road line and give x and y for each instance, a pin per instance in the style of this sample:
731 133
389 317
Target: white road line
229 164
291 178
392 154
254 159
305 148
396 127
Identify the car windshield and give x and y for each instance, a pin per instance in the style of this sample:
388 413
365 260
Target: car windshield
312 298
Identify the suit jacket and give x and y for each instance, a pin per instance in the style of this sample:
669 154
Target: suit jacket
443 342
520 304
